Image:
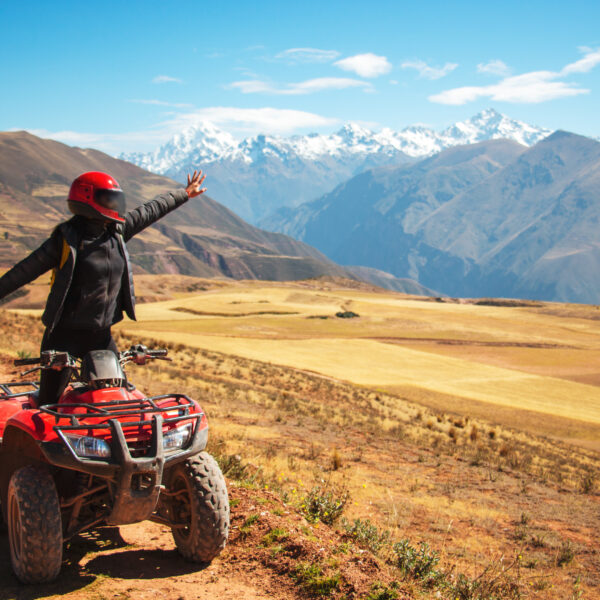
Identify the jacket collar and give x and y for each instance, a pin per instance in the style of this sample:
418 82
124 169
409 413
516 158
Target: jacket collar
90 228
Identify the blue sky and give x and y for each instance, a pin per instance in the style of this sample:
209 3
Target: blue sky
126 76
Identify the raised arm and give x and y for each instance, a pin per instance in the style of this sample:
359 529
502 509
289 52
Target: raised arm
42 259
150 212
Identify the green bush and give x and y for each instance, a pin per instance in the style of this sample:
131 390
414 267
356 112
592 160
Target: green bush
383 592
275 535
417 563
367 534
310 576
324 505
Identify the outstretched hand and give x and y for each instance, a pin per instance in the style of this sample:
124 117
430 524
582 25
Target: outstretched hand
194 184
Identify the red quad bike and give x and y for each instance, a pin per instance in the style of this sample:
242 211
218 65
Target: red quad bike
105 454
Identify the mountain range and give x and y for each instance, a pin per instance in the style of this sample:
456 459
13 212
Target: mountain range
201 238
260 174
495 218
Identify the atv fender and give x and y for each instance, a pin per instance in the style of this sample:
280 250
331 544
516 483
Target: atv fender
19 449
37 424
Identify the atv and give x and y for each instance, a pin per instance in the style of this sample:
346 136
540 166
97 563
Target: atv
105 454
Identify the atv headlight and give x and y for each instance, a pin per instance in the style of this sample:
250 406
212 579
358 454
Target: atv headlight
177 438
89 447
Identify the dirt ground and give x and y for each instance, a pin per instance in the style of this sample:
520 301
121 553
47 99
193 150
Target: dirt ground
140 561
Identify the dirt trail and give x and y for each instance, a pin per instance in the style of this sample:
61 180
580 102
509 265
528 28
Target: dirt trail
137 561
140 561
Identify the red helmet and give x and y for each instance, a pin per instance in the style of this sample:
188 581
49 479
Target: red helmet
97 195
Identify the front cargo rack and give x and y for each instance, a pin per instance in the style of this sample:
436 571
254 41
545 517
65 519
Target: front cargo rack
114 409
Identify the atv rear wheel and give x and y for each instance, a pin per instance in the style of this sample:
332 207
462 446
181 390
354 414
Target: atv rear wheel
34 525
199 508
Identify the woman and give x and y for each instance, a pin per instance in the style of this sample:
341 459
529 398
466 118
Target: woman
92 283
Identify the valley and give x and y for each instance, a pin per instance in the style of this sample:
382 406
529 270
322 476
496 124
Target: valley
534 366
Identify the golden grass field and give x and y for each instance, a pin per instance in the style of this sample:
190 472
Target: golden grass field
533 367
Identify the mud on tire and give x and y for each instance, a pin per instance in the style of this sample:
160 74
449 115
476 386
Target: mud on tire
201 503
34 525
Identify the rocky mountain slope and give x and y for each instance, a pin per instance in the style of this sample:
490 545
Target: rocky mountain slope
202 238
260 174
490 219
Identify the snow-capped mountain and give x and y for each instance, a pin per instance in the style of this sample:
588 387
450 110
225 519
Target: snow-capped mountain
492 219
262 173
202 142
491 125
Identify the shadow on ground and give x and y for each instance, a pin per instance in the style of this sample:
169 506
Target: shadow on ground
142 564
110 556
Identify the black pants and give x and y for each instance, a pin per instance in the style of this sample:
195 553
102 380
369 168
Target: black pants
77 342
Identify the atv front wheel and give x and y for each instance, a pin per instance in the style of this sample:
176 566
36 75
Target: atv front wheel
34 525
199 508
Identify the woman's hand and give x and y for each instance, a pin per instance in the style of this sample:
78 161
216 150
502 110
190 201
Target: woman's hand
194 184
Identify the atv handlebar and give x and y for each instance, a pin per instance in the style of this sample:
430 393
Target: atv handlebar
159 352
56 360
21 362
139 354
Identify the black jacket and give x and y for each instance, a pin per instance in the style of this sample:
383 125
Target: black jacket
95 299
59 252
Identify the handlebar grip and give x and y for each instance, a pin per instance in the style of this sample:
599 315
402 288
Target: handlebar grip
159 352
21 362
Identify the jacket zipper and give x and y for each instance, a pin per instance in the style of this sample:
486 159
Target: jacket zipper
108 281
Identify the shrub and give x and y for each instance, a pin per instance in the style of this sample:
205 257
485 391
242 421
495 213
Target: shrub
310 576
336 460
566 554
275 535
588 482
538 540
379 591
474 433
346 314
324 505
418 563
367 534
231 466
485 587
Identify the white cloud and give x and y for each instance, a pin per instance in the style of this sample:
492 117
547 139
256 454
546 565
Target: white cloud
583 65
365 65
528 88
427 71
246 121
237 121
308 55
162 103
310 86
166 79
494 67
